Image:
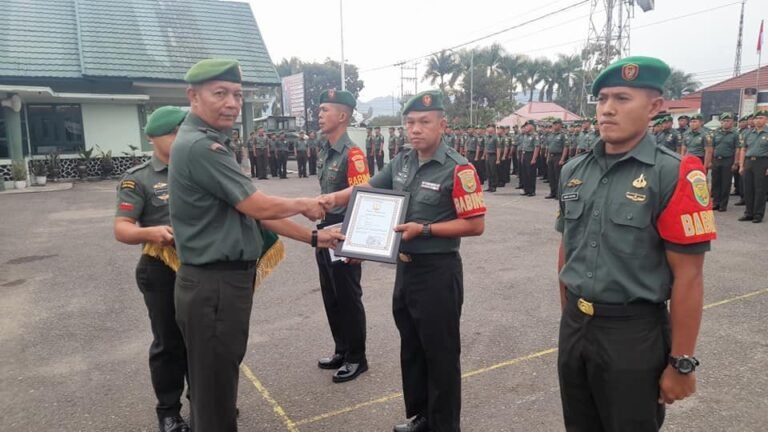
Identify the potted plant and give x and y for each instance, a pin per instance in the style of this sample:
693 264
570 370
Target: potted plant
105 161
19 174
40 171
82 164
54 166
134 159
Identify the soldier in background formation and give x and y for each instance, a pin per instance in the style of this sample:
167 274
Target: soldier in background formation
378 148
753 167
725 142
301 153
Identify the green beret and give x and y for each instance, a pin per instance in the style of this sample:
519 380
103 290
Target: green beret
745 117
341 97
556 121
697 117
666 119
164 120
726 116
684 117
214 70
640 72
531 122
430 100
761 113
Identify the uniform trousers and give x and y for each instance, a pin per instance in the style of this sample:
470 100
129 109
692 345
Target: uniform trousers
506 166
427 302
515 161
282 163
261 163
252 157
722 167
755 185
273 163
167 353
313 162
301 161
391 154
609 369
528 171
492 170
554 168
379 159
369 156
342 298
213 310
541 167
482 173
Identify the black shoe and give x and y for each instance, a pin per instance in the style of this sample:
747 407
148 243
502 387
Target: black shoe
519 187
715 207
173 424
722 209
734 193
545 181
416 424
550 196
532 194
757 219
745 218
333 362
524 193
349 371
740 203
490 190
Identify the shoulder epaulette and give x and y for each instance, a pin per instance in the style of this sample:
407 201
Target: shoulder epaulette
133 169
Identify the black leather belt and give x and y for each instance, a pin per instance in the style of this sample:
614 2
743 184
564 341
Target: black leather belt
613 310
409 257
228 265
757 157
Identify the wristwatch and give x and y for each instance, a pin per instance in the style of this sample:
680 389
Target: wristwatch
426 230
313 242
684 364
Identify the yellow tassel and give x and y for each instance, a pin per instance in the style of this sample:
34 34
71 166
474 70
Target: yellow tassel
166 254
269 261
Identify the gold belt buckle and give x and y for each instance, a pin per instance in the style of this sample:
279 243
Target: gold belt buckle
585 307
405 257
753 158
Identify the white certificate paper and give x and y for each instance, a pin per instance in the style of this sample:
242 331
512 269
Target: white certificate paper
371 226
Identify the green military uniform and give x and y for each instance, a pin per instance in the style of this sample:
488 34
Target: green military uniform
261 151
402 139
301 149
273 161
218 247
725 143
282 147
482 172
696 142
429 288
378 148
619 215
755 175
312 144
370 152
557 143
392 143
528 144
142 196
670 139
492 161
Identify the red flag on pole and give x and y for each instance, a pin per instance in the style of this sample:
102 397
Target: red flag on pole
760 38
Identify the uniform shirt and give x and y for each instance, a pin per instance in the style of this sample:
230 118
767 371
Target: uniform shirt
529 141
369 144
697 141
491 144
725 142
312 144
301 146
557 141
205 185
743 132
757 143
392 144
583 140
472 144
669 138
445 187
449 139
142 194
339 166
614 226
378 141
281 145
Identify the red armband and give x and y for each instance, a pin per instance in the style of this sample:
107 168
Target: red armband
467 192
688 218
357 167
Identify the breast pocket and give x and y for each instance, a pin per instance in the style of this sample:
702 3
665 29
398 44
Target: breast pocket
427 196
629 232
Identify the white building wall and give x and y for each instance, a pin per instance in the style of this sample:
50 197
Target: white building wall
111 127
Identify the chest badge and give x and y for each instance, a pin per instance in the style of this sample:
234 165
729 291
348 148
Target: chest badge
574 183
639 183
161 191
635 197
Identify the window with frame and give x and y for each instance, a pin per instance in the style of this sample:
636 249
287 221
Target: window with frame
55 127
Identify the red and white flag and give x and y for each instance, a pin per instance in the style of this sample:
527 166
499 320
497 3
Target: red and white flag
760 38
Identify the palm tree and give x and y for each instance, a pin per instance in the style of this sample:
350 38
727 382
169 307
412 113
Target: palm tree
441 65
680 84
531 76
492 57
548 75
569 68
512 67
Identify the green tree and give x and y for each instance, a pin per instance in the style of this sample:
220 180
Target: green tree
440 66
319 77
680 84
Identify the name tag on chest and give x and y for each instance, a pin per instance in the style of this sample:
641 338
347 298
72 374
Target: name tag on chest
572 196
430 185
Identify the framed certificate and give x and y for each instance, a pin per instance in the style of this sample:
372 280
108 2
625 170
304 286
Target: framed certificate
369 225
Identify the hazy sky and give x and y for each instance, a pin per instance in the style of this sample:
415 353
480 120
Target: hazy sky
698 36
